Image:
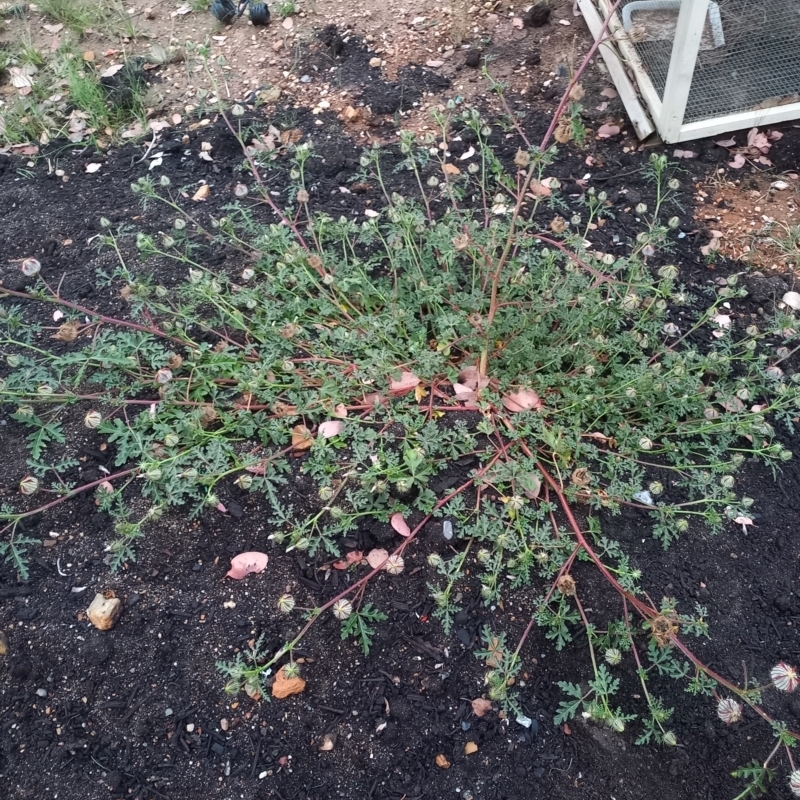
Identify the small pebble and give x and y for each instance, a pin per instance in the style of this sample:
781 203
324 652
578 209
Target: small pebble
262 775
41 692
168 712
447 529
223 723
190 727
305 79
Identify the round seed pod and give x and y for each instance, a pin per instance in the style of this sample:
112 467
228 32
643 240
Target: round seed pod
223 10
259 14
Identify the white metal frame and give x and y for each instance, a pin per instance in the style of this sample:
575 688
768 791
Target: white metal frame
667 116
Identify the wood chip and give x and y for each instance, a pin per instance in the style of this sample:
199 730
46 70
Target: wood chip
442 762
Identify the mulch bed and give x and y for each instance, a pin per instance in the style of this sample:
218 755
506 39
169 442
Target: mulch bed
139 712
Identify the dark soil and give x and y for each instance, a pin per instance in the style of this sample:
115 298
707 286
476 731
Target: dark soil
97 715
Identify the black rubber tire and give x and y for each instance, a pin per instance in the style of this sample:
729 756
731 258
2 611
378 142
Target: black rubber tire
259 14
223 10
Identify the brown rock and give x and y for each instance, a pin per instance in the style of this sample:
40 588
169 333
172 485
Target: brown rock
3 644
350 114
470 748
442 762
285 687
104 611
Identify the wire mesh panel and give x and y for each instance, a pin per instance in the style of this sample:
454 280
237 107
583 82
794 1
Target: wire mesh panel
749 55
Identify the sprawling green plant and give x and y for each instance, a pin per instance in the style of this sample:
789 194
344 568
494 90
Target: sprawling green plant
452 323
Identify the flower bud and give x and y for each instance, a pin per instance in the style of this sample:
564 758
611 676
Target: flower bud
435 560
164 376
673 222
616 724
656 487
244 481
674 184
29 485
729 710
30 267
794 782
394 565
641 208
179 224
154 474
286 603
645 443
613 656
670 739
668 272
93 419
784 677
342 609
171 439
681 525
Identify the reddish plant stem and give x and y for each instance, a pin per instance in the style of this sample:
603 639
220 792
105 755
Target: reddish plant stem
265 192
72 493
648 612
102 317
398 551
576 77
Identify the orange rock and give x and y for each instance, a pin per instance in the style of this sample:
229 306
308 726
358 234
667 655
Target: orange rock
285 687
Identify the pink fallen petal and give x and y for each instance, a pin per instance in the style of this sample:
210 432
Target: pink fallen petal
723 320
517 22
609 93
374 399
522 400
221 508
589 161
340 411
758 408
257 469
377 558
735 405
726 142
738 161
603 106
464 394
471 376
539 189
774 136
245 563
607 131
331 427
744 522
764 160
400 525
406 383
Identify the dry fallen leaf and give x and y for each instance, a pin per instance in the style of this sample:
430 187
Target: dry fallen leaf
202 193
57 28
68 332
563 132
558 224
442 762
353 557
377 557
285 687
400 525
301 437
451 169
245 563
291 136
481 706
